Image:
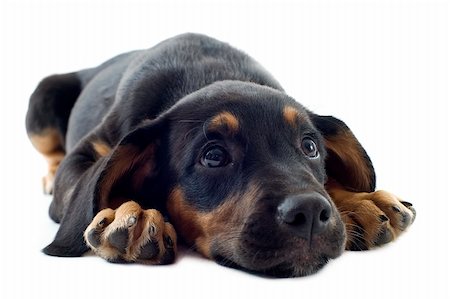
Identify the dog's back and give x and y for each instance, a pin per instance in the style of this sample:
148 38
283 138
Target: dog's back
162 75
65 108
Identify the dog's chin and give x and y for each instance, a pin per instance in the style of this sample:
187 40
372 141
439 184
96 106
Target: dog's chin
285 269
291 258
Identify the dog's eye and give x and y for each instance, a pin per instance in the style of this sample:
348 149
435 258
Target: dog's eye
309 148
216 156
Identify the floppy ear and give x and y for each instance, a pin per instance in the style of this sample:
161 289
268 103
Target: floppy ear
347 162
132 163
111 178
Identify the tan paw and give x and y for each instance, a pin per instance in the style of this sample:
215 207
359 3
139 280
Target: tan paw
374 219
132 234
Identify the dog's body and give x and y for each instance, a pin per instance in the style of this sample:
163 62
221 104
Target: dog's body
202 136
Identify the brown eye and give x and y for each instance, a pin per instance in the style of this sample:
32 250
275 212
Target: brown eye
216 156
309 148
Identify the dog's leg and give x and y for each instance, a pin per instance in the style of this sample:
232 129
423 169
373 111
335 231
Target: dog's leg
97 175
132 234
371 219
47 118
49 143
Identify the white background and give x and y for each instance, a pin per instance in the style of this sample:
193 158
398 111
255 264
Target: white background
382 66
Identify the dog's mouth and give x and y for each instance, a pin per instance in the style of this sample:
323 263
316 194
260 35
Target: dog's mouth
279 255
283 270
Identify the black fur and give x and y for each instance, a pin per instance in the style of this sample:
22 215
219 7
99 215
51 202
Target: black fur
156 104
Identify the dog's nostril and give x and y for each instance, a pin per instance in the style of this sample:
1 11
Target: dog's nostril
324 215
305 214
300 219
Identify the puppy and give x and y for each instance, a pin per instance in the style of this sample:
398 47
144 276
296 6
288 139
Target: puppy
193 137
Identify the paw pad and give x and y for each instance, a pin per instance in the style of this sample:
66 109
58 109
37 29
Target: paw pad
119 239
131 234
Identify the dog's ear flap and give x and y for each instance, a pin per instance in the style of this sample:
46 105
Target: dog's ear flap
69 241
115 177
347 162
130 164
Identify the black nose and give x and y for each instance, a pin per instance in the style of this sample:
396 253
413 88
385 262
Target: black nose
305 214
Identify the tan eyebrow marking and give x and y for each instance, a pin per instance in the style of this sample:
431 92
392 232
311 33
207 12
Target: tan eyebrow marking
225 119
291 116
101 148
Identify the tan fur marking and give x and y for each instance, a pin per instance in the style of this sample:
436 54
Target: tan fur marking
187 220
366 209
200 228
139 176
227 120
127 158
101 148
49 144
291 116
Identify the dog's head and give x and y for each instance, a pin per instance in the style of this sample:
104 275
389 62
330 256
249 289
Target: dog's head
241 169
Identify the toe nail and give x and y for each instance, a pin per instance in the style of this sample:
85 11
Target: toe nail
131 221
407 204
383 218
396 209
152 230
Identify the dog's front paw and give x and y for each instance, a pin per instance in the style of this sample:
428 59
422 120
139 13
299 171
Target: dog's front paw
130 234
374 219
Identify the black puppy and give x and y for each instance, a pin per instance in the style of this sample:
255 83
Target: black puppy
195 132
